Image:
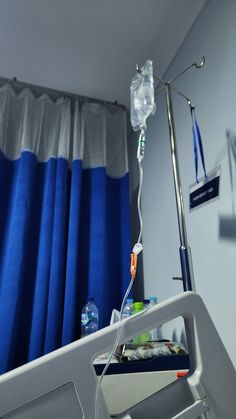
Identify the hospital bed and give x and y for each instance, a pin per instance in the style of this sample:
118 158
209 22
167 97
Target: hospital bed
128 383
62 384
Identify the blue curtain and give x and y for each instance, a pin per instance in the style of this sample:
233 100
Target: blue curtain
64 235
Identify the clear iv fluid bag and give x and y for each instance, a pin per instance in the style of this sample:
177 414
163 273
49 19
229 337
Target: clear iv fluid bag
142 97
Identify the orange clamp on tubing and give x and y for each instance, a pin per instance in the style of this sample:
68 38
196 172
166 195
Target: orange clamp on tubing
133 264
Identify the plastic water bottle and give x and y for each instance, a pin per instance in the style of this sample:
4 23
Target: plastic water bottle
154 334
128 308
140 340
89 318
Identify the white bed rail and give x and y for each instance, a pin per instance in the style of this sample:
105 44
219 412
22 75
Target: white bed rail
62 384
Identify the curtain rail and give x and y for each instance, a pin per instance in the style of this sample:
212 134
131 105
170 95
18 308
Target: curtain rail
55 93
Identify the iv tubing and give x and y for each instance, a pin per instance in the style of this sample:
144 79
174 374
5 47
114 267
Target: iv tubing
139 200
119 330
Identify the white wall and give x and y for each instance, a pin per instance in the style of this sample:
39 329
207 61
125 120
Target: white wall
213 90
89 47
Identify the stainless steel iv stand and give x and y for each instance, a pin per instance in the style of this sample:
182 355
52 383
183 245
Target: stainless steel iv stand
184 250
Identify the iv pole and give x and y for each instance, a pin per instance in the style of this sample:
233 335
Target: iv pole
184 249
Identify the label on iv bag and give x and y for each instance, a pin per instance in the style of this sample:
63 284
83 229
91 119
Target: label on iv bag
207 189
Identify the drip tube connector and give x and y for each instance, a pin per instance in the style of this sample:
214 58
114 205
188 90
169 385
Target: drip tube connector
141 145
138 247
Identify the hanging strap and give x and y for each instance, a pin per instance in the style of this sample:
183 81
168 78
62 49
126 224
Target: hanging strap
194 145
197 139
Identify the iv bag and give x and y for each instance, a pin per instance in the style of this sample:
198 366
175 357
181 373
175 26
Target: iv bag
142 97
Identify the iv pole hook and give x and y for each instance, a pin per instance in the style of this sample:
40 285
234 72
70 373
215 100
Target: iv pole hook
196 65
201 63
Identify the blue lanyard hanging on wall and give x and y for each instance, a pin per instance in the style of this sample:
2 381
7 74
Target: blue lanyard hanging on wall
197 143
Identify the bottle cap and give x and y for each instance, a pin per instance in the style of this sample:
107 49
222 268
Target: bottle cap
129 301
91 299
146 302
138 306
153 299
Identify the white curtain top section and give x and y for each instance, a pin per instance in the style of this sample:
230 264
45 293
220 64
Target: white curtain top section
93 133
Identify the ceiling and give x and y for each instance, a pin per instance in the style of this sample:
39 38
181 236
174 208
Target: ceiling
91 47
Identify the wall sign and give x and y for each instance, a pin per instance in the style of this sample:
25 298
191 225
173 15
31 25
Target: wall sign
207 189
